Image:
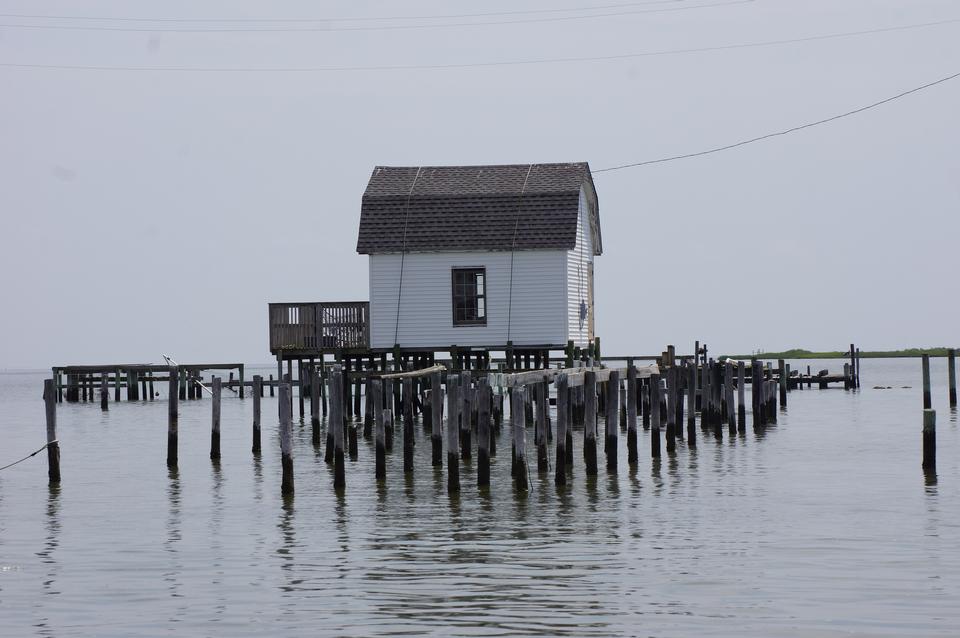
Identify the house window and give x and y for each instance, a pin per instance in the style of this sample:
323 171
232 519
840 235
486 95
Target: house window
469 297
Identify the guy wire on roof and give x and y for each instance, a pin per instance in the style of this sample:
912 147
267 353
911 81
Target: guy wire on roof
513 247
403 252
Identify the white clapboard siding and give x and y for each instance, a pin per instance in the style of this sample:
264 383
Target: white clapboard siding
538 317
578 274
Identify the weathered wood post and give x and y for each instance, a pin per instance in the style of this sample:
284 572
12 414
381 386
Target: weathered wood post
436 418
655 416
631 414
782 386
173 393
286 442
847 377
271 386
388 397
929 439
731 405
257 393
453 433
104 393
952 376
53 446
518 418
484 433
314 407
692 404
925 363
671 410
755 392
335 422
215 420
590 421
466 388
645 403
613 412
705 420
407 425
540 426
563 404
379 427
367 409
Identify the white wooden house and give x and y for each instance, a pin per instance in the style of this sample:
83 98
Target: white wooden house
480 256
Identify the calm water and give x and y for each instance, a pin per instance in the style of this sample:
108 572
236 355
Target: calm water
821 526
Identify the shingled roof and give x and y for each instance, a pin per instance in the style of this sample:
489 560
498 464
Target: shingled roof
447 208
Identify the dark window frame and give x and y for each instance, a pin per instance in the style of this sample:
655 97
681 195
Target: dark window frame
468 299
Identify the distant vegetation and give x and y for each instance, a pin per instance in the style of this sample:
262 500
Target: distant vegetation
800 353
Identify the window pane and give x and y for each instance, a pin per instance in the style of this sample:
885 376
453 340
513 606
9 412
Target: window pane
479 283
481 308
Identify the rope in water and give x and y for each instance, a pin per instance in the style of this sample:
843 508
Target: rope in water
29 455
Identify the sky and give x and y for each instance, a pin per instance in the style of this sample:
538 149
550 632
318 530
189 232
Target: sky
159 211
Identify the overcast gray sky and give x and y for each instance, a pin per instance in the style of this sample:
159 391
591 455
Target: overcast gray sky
149 212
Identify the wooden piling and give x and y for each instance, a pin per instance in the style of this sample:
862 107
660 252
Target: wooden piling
563 404
613 412
381 421
314 407
728 398
590 422
407 425
336 423
286 441
929 439
692 404
755 392
466 388
53 446
925 363
453 433
484 433
741 395
540 427
952 376
104 393
655 416
173 393
257 393
436 418
271 385
517 416
671 410
631 401
389 396
215 420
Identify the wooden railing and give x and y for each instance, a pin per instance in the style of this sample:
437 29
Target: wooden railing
319 326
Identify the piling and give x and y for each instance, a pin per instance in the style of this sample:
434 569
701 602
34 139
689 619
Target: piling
645 404
655 416
286 442
952 376
436 418
731 406
271 385
692 405
257 393
215 420
783 382
453 434
631 401
388 396
335 423
104 393
517 416
590 422
613 411
927 404
408 425
755 392
929 439
540 427
53 447
483 433
671 410
382 416
741 396
466 387
563 400
314 407
173 392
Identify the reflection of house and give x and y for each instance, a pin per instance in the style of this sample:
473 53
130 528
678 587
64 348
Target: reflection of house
476 256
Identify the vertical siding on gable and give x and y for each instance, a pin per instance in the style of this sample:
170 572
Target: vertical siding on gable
577 267
538 317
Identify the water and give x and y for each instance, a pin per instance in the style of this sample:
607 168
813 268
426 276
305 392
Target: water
823 525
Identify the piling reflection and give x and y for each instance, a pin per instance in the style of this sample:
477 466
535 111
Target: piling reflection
51 540
288 544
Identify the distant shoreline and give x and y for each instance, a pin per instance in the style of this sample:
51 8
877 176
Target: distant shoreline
799 353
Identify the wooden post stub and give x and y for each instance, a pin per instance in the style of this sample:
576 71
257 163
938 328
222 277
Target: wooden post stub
104 393
436 419
484 433
925 363
951 376
386 416
692 405
466 388
655 415
453 433
563 404
215 419
337 409
590 422
314 407
671 410
540 427
257 393
632 455
518 418
173 394
929 439
53 447
286 441
613 414
408 425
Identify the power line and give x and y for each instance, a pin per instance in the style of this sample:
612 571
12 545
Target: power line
336 18
395 27
779 133
468 65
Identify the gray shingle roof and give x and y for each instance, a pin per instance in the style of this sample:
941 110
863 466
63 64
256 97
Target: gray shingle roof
446 208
